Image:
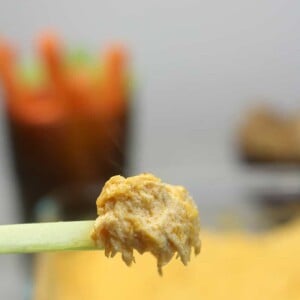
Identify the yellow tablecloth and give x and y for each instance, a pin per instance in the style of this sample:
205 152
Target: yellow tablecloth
233 266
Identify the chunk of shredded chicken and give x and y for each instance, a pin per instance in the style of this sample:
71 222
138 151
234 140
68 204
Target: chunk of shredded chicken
143 213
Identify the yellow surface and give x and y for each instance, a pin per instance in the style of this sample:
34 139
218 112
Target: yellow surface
230 266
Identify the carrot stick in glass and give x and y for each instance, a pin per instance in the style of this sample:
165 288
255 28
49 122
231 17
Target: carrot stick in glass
7 71
50 49
113 81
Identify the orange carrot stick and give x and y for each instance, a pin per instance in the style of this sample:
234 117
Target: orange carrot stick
113 81
15 92
7 71
50 49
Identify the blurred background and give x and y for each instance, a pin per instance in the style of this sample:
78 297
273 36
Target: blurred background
209 99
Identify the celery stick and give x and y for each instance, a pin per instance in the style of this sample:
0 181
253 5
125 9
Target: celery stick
45 237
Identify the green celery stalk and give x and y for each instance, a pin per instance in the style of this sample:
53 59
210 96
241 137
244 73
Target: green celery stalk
46 237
